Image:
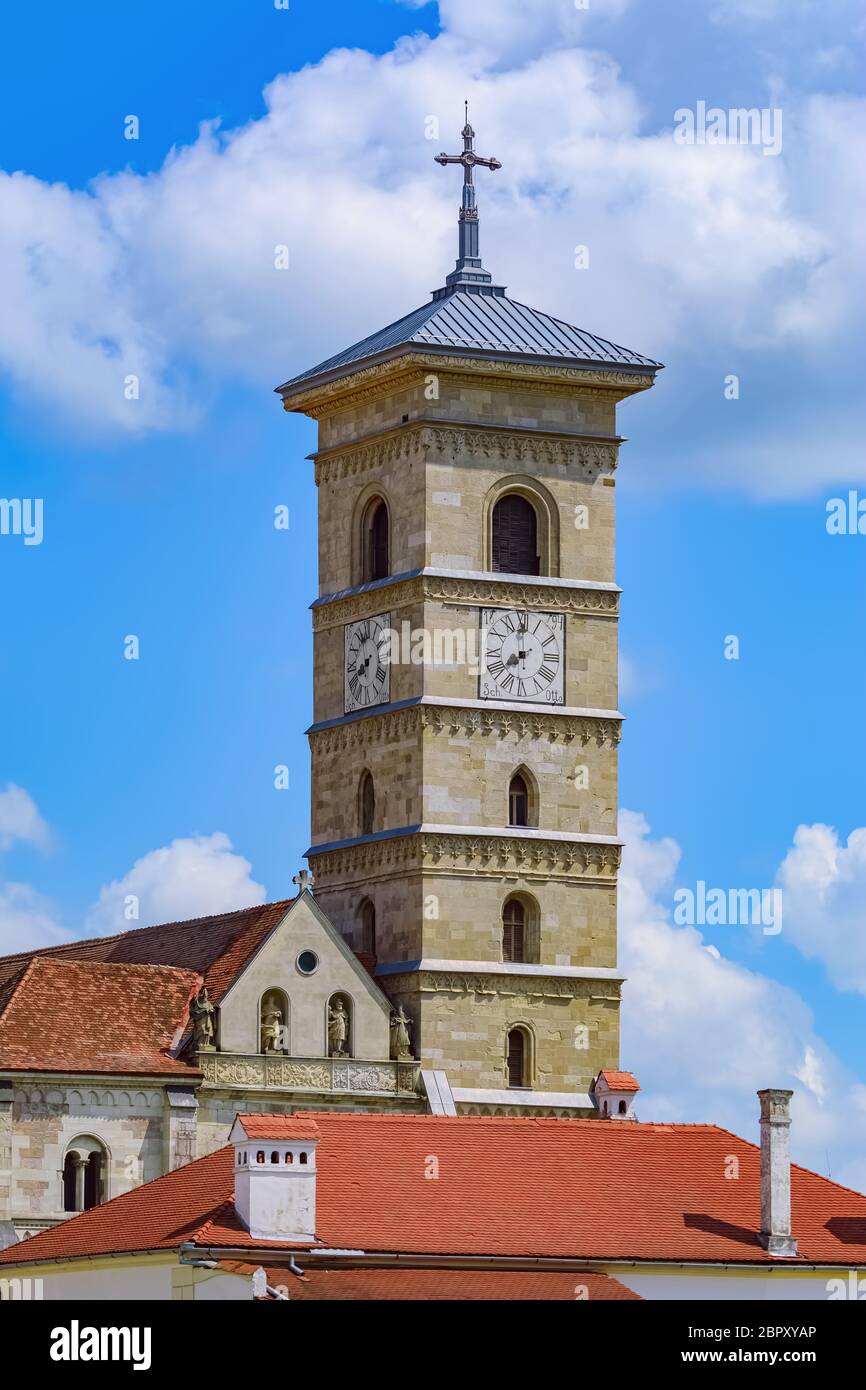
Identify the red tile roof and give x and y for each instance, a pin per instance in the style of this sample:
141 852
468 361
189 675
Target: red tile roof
620 1080
278 1127
432 1285
524 1187
121 1021
216 947
84 1016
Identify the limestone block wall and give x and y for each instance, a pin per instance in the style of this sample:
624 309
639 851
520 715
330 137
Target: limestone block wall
463 921
128 1122
463 1023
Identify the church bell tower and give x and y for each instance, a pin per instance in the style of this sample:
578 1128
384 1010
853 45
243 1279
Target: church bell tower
465 735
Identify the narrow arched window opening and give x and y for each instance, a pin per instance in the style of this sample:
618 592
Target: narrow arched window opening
517 1058
514 931
515 536
368 928
376 542
518 801
366 804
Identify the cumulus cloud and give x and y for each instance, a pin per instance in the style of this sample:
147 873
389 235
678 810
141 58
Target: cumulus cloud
704 1033
824 885
171 277
20 820
193 877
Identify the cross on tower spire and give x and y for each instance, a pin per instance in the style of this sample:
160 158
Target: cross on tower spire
469 271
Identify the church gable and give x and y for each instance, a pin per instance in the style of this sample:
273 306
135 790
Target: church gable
302 973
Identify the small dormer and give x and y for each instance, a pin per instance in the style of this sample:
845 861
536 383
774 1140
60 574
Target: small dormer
613 1093
275 1175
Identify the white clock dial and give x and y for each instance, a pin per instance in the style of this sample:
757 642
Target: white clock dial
523 655
367 668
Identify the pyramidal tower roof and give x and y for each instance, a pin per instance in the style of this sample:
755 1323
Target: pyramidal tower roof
472 315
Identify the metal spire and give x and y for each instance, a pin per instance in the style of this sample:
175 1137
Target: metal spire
469 270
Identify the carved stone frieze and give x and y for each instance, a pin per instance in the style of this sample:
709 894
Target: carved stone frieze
469 593
502 985
432 852
291 1073
587 456
392 726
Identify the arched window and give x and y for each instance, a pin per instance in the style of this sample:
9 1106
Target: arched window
84 1174
518 801
366 804
375 546
368 927
623 1108
514 930
274 1021
515 536
517 1057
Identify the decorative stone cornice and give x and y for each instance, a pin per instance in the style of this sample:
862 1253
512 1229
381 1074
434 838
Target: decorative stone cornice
369 383
391 726
469 592
536 857
501 985
587 455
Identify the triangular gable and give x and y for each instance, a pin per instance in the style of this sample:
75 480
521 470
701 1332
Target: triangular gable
362 975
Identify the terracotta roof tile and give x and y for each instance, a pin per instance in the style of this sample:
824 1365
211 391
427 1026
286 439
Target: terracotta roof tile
620 1080
432 1285
217 947
85 1016
279 1127
527 1187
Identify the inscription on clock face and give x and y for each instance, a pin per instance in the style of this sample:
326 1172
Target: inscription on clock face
523 655
367 665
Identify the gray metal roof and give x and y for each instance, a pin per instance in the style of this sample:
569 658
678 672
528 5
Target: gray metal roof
479 323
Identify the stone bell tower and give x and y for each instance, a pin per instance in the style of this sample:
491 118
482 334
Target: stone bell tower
464 749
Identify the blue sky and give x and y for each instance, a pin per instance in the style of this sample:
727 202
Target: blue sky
155 256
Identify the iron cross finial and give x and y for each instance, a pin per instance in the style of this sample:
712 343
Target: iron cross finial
469 269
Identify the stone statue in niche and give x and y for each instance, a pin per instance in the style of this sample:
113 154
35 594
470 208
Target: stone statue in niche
272 1027
338 1029
203 1015
401 1043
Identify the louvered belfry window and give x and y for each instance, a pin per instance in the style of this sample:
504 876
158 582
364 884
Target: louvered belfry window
515 536
516 1058
513 930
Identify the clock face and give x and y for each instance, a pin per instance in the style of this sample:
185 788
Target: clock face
367 669
523 656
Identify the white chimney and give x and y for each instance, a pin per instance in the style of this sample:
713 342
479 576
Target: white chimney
776 1173
275 1175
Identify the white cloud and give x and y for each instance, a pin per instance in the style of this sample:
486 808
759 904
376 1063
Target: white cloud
172 276
193 877
20 819
824 885
28 921
703 1033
